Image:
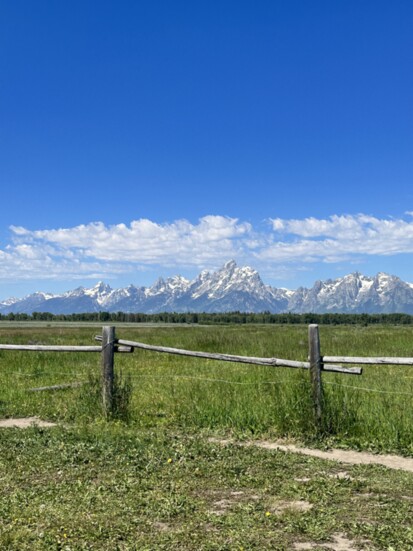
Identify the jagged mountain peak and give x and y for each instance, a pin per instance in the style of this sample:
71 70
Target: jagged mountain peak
229 279
159 285
101 286
232 287
174 284
75 292
230 265
384 277
99 289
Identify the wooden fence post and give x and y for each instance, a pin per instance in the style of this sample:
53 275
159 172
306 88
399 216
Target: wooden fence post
315 373
108 354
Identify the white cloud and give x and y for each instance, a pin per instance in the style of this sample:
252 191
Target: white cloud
338 227
339 237
97 250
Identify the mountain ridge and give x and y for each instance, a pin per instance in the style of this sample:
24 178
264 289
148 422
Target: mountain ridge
231 288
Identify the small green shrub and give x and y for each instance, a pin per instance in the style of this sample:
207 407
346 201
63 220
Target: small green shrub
122 396
90 407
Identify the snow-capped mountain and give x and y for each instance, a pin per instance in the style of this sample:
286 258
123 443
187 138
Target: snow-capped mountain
229 289
355 293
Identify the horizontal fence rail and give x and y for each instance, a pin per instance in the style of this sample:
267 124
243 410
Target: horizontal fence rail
273 362
50 348
385 360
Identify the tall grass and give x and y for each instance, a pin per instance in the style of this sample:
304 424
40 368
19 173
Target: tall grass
374 410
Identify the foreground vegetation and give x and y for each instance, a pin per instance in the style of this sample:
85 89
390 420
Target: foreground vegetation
112 487
152 479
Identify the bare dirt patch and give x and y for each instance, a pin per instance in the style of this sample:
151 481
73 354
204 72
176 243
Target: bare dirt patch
222 501
340 543
25 422
161 526
296 506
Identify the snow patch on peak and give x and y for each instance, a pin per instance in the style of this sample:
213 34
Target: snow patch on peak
99 289
178 281
100 292
41 294
9 301
175 285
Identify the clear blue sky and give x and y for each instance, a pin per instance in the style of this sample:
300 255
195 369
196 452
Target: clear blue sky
153 138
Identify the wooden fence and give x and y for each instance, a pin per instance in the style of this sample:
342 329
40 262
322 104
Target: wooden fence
316 363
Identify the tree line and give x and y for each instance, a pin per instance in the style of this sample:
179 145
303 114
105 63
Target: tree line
206 318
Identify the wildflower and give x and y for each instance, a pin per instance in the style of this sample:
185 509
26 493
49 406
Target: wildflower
169 460
267 514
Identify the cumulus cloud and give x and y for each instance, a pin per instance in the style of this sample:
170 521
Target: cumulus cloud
98 250
339 237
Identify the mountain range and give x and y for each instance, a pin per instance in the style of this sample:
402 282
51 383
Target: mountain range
232 288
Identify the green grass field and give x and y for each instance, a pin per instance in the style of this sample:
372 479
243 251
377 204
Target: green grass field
151 479
374 410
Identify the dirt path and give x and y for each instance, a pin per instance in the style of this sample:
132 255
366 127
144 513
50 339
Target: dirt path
24 422
343 456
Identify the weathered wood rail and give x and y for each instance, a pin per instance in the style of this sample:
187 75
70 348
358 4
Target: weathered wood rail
50 348
272 362
316 365
370 361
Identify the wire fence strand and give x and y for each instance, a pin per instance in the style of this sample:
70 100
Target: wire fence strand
365 389
213 380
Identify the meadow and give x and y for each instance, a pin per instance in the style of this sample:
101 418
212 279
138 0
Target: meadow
373 410
151 478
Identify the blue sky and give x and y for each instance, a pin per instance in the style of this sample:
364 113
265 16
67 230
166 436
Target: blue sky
140 139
